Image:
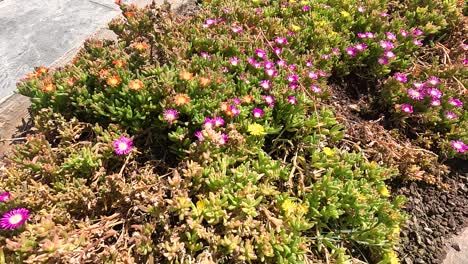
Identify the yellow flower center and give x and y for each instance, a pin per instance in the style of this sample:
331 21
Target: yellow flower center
123 146
15 219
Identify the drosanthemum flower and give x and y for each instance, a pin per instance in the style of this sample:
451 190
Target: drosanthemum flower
4 196
370 35
199 136
256 129
312 75
234 61
281 63
433 80
123 145
362 35
268 64
417 32
236 29
258 113
407 108
383 60
450 115
181 99
419 85
389 54
361 9
236 100
459 146
386 45
404 33
400 77
292 78
218 121
351 51
390 36
271 72
292 100
136 85
277 50
14 218
223 139
309 64
435 102
316 89
417 42
417 94
208 123
434 93
170 115
248 99
292 67
455 102
269 99
113 81
260 53
293 86
360 46
281 40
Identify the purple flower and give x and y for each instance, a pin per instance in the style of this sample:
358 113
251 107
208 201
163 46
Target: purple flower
205 55
309 64
293 86
459 146
234 61
417 42
218 121
360 46
435 102
316 89
306 8
277 50
336 51
292 67
258 113
281 41
450 115
322 73
383 14
433 80
383 60
386 45
199 136
223 139
455 102
257 65
417 94
292 100
361 9
390 36
269 99
265 84
407 108
351 51
400 77
251 60
235 111
170 115
417 32
268 64
4 196
419 85
208 123
236 29
370 35
123 145
389 54
434 93
292 78
14 218
312 75
362 35
326 56
210 21
281 63
271 72
260 53
404 33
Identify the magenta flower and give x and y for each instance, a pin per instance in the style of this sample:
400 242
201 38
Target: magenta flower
433 80
292 78
281 63
14 218
404 33
386 45
292 67
4 196
208 123
312 75
351 51
281 41
459 146
407 108
361 9
370 35
309 64
251 60
223 139
434 93
306 8
417 32
322 73
383 60
258 113
435 102
199 136
362 35
205 55
389 54
236 100
123 145
455 102
450 115
326 56
390 36
271 72
360 46
234 61
260 53
170 115
419 85
417 42
268 64
292 100
336 51
218 121
265 84
417 94
383 14
277 50
236 29
257 65
316 89
235 111
400 77
269 99
210 22
293 86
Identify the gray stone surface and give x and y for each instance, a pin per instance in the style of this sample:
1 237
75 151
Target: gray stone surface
458 249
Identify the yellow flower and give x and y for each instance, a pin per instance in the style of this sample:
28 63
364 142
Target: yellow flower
328 151
384 191
136 85
393 258
295 28
201 205
256 129
181 99
289 207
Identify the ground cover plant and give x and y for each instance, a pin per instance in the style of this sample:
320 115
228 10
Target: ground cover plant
214 138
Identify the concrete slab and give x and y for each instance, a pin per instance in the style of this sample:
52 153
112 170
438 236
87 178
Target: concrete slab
457 252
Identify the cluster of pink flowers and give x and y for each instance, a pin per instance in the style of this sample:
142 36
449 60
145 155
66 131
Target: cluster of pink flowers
13 218
459 146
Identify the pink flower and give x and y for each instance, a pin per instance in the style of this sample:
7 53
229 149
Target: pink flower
292 67
306 8
326 56
265 84
434 93
417 32
450 115
407 108
236 29
455 102
234 61
459 146
260 53
383 61
205 55
433 80
360 46
336 51
293 86
14 218
362 35
281 41
292 100
170 115
251 60
309 64
258 113
390 36
404 33
322 73
236 100
223 139
4 196
257 65
316 89
199 136
386 45
400 77
361 9
416 94
277 50
269 99
383 14
208 123
218 121
389 54
370 35
271 72
268 64
235 111
417 42
292 78
435 102
281 63
351 51
123 145
312 75
419 85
